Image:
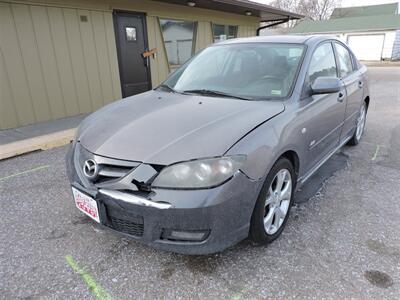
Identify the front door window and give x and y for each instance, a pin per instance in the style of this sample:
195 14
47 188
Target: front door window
322 63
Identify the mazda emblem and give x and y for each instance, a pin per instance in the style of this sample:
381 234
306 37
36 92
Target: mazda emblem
90 169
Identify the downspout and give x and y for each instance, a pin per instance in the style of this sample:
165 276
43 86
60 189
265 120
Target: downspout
272 24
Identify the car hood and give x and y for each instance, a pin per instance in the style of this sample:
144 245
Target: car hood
163 128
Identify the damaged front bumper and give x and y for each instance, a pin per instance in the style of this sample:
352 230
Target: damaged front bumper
185 221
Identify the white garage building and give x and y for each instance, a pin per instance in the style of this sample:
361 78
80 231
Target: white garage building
372 32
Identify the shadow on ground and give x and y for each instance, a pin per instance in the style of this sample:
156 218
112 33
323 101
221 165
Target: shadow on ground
315 183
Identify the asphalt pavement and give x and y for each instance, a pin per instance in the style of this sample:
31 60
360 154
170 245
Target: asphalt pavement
342 239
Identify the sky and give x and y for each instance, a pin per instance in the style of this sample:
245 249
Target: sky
347 3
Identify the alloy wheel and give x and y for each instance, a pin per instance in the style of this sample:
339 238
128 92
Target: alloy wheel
361 122
277 201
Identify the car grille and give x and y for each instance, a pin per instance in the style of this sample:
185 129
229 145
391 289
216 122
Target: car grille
109 169
129 227
110 172
125 222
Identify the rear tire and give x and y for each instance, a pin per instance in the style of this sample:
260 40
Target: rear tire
271 211
360 126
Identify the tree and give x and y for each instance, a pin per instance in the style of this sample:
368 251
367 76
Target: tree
313 9
317 9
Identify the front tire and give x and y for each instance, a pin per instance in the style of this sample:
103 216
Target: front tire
360 126
274 202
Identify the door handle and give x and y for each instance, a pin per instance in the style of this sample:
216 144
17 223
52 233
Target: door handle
146 61
145 56
340 97
360 84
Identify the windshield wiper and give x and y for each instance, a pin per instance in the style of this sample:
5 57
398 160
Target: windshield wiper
166 87
215 93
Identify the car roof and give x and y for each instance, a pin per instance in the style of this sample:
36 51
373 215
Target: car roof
290 39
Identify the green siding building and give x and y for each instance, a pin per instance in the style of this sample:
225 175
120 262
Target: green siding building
64 58
371 31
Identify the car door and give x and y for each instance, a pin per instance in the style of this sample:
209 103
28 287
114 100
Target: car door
352 79
322 115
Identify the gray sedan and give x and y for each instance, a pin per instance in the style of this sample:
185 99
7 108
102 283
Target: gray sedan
216 152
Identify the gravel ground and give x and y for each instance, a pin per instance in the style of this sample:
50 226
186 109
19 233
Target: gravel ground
342 239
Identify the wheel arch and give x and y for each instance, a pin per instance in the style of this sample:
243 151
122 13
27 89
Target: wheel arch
366 100
293 157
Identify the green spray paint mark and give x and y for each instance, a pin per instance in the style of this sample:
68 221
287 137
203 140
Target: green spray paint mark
376 152
240 295
24 172
94 287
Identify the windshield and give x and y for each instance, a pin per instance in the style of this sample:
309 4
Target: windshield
250 71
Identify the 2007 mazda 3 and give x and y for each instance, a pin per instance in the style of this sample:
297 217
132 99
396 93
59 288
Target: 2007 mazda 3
215 153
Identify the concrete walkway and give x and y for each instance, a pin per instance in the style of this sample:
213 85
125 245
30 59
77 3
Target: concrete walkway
39 136
385 63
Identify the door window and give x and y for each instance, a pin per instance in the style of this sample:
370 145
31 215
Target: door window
322 63
130 34
178 39
345 63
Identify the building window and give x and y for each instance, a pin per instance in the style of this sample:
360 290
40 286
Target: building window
224 32
178 39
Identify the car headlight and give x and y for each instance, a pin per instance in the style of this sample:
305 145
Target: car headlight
199 173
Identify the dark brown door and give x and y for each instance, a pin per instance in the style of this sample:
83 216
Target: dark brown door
131 37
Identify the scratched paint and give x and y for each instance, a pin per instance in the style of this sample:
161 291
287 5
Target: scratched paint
24 172
96 289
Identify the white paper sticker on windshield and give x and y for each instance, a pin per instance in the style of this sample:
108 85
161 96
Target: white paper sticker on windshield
276 92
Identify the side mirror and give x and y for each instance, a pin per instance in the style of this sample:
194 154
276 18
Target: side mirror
326 85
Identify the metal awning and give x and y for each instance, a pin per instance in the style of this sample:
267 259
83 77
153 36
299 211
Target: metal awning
266 13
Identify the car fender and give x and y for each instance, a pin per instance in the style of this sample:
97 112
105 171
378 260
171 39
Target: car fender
259 146
264 145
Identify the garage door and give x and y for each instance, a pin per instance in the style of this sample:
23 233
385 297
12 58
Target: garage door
367 47
55 62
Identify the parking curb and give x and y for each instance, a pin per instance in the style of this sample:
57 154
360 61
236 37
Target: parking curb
42 142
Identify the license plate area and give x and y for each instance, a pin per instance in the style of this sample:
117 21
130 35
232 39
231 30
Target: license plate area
86 204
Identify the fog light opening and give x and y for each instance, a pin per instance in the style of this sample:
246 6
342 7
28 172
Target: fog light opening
185 236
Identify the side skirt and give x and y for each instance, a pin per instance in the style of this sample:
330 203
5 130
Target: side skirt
304 178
